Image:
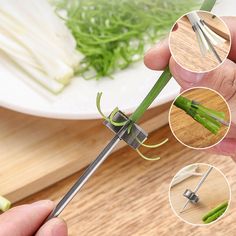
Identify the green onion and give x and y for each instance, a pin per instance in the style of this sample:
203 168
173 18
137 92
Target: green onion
110 119
155 91
37 45
215 213
98 104
153 145
112 34
4 204
147 158
207 5
215 216
209 118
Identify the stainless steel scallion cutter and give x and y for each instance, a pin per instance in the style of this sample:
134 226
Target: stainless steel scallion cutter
192 196
133 139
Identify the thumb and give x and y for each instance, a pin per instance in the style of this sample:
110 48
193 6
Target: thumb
54 227
222 79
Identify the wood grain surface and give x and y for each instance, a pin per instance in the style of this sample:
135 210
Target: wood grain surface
38 152
129 196
214 191
215 25
189 131
185 48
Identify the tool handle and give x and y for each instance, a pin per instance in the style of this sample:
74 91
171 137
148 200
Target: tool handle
88 172
203 179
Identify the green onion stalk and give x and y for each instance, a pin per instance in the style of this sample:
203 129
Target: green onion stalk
210 119
215 213
207 5
165 77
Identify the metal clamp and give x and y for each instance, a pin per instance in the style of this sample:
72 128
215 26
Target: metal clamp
193 198
134 138
191 195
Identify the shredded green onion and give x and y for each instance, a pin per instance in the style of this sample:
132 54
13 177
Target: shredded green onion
147 158
4 204
111 118
153 145
98 104
112 34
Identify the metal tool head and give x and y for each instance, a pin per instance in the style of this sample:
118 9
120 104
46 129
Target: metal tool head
193 198
136 136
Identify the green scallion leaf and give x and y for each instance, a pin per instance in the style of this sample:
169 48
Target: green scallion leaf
215 213
112 34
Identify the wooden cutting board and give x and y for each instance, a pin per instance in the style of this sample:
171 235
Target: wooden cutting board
185 48
129 196
37 152
183 124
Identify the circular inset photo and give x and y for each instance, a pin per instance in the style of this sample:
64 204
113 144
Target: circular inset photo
199 194
199 118
199 41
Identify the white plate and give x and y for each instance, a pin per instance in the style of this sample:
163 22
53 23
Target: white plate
78 101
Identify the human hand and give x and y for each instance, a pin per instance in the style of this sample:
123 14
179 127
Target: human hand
222 79
26 220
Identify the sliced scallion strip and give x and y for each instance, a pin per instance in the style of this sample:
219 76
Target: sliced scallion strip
98 104
153 145
147 158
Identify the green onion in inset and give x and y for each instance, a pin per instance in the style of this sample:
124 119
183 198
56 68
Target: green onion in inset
206 121
212 113
4 204
183 103
213 127
215 216
215 210
209 118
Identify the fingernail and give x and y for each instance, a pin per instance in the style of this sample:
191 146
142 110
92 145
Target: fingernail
188 76
59 228
54 227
